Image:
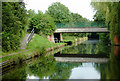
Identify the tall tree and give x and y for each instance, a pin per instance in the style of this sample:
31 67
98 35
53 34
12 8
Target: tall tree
77 18
31 13
43 24
111 12
14 24
60 13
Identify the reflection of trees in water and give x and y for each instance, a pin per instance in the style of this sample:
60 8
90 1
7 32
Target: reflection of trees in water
71 50
47 67
81 49
102 48
44 67
63 70
110 70
18 73
86 48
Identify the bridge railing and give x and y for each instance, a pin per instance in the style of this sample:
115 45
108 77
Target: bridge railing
71 25
30 36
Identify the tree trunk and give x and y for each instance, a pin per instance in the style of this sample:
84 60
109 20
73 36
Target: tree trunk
116 40
116 50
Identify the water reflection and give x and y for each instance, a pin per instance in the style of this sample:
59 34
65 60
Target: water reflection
18 73
43 68
86 71
46 67
88 47
112 68
63 70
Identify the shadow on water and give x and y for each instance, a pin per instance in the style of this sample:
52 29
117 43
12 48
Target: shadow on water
46 67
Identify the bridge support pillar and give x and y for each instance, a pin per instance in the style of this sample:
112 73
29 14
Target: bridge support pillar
61 37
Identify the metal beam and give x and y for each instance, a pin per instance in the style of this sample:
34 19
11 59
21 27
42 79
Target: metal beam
82 30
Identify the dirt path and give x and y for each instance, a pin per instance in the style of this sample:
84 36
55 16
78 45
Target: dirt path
14 53
24 42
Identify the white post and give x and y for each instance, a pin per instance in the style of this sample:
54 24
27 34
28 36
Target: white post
61 37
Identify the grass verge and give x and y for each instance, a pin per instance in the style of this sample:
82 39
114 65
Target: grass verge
37 46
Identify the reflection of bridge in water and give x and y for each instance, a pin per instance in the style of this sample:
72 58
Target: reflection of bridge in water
81 57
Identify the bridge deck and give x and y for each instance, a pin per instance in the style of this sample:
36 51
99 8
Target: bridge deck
82 30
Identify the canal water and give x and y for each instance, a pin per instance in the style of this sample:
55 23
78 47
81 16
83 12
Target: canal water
46 67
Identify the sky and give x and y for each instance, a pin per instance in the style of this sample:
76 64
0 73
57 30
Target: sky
81 7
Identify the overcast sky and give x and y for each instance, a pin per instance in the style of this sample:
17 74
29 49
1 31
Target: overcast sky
76 6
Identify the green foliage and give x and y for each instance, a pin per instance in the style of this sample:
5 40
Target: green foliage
60 13
37 46
99 17
110 70
44 67
83 48
43 24
63 17
47 67
17 74
110 10
104 38
14 24
103 47
31 13
0 16
78 18
73 36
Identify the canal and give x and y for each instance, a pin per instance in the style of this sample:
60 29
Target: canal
46 67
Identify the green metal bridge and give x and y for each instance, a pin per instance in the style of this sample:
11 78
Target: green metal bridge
72 25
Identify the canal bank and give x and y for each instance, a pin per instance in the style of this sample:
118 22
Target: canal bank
31 53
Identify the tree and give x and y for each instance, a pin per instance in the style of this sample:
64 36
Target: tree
77 18
43 24
31 13
98 17
14 24
60 13
111 12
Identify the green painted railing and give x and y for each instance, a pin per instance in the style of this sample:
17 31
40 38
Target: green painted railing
70 25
